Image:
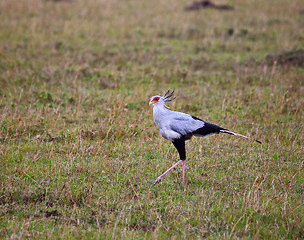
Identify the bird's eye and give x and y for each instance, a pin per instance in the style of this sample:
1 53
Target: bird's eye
156 99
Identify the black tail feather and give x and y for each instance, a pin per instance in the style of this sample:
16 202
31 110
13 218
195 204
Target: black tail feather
208 129
237 134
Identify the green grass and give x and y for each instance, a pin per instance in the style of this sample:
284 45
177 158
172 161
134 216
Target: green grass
79 149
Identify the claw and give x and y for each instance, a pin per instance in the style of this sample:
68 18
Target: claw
157 181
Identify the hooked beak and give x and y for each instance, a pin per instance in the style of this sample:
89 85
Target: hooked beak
151 102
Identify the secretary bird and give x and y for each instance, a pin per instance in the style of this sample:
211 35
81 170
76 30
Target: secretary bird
178 127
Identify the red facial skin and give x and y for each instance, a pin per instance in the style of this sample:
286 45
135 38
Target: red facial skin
155 99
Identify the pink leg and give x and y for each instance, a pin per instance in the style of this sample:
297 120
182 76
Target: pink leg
184 166
158 179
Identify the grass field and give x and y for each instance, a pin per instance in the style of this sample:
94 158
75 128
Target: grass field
78 146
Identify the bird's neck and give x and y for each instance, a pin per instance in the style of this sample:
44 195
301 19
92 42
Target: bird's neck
160 108
159 112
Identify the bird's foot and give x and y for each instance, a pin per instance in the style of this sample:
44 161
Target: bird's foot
157 180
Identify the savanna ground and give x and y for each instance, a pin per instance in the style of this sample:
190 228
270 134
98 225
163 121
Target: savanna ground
80 151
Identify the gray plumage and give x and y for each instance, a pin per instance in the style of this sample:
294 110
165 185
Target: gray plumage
178 127
173 125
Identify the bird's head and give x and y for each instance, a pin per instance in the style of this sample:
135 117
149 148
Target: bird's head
162 99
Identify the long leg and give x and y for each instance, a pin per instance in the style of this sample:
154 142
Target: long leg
159 178
184 166
180 146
